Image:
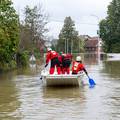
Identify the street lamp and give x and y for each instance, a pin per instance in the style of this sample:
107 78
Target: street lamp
97 32
98 51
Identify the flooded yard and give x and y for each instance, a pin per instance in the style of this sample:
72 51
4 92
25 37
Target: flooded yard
23 96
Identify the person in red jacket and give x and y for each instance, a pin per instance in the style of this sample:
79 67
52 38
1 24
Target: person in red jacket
66 61
78 66
60 60
53 56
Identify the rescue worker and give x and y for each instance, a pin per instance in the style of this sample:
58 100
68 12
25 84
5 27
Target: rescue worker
66 61
60 60
53 56
78 66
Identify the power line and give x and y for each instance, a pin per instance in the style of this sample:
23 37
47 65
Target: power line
60 21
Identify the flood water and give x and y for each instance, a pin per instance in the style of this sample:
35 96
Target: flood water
23 96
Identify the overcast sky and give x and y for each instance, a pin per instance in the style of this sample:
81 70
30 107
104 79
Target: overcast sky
85 13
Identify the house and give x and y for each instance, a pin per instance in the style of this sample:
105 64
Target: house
93 45
84 37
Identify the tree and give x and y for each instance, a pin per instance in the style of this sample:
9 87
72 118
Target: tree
34 26
68 37
105 34
9 34
110 28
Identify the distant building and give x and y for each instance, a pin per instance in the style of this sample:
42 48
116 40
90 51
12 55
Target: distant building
84 37
93 44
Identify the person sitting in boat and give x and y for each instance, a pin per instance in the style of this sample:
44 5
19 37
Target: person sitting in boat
66 61
60 60
53 56
78 66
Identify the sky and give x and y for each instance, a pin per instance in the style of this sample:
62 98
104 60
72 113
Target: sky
85 13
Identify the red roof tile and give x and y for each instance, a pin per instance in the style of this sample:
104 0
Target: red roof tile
91 43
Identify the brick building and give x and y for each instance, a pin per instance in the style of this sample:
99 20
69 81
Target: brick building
93 45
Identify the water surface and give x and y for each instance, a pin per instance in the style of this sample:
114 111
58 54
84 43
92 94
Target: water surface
23 96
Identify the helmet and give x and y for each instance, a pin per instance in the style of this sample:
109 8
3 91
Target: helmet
49 49
78 58
61 53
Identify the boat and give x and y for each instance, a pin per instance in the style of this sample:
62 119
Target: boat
62 79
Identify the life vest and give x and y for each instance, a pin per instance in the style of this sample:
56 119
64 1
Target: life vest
66 57
77 67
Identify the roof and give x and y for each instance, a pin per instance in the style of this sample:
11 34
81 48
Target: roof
91 43
85 36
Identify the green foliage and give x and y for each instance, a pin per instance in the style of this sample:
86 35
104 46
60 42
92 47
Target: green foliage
7 66
37 53
9 34
110 28
116 48
25 38
68 37
33 28
22 59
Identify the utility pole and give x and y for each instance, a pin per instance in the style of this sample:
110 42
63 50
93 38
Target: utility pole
65 45
99 50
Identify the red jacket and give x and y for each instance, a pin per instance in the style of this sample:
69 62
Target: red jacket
76 67
67 57
51 55
60 59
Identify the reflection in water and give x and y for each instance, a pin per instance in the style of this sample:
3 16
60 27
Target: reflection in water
8 97
113 101
23 96
112 68
63 92
91 59
63 103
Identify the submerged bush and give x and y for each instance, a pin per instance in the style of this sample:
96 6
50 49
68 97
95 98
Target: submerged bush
22 58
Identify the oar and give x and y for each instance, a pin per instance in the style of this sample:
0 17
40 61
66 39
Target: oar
91 81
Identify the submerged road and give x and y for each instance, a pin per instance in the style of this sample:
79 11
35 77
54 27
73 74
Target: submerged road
23 96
